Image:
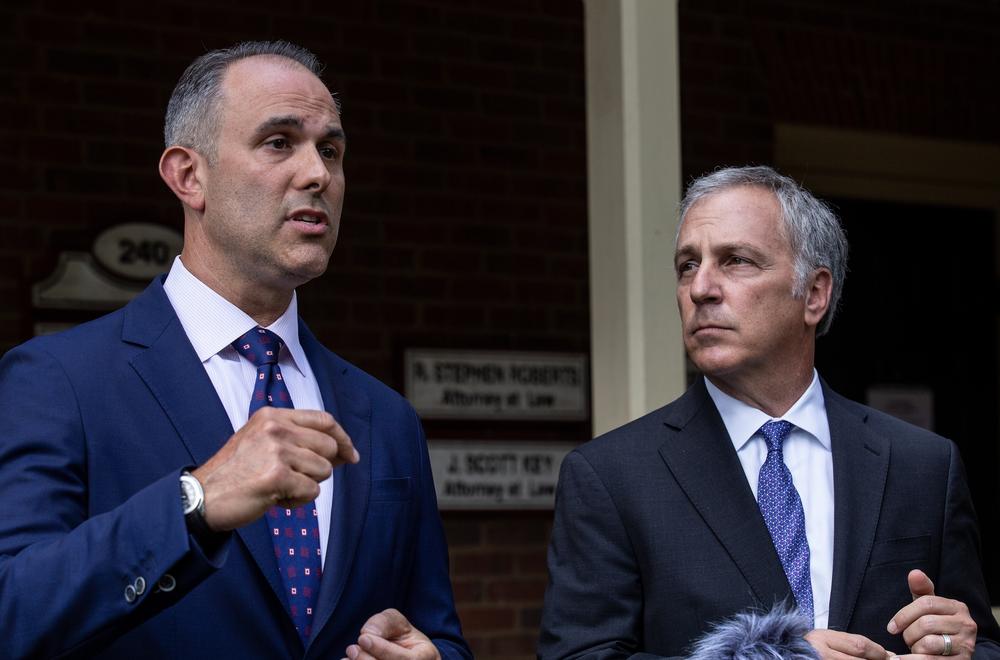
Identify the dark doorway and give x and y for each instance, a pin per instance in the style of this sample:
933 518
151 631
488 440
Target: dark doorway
919 311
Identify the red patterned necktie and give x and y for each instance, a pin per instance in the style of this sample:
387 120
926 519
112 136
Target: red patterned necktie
295 532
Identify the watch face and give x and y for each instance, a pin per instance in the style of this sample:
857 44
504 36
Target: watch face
189 496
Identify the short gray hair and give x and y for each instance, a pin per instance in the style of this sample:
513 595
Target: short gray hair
812 229
192 118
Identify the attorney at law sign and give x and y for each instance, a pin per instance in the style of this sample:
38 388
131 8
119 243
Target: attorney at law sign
496 474
510 385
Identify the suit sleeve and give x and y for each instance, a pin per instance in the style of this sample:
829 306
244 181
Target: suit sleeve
961 575
594 603
429 603
64 569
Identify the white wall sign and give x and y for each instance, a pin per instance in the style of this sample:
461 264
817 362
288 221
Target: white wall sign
497 385
138 250
496 474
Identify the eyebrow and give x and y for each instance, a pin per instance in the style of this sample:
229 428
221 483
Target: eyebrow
746 248
291 121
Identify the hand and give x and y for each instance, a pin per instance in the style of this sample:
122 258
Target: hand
278 458
923 621
389 636
836 645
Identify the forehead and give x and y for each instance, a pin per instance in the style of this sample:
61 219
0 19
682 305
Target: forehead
743 213
264 86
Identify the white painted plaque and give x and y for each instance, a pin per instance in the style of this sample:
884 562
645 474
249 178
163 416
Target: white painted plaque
445 384
496 474
138 250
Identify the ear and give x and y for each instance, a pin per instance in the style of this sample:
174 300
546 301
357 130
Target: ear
818 291
184 170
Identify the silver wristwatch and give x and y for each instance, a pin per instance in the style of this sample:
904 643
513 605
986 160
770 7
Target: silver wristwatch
193 503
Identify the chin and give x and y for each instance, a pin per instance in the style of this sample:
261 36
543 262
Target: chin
714 361
305 267
305 274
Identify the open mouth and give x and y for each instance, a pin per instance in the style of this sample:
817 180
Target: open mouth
311 219
308 216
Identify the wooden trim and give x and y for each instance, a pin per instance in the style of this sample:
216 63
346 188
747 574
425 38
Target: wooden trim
838 162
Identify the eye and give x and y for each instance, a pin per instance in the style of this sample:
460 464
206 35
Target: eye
329 152
736 260
686 267
278 143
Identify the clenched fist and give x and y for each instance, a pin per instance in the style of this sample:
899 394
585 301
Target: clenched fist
278 458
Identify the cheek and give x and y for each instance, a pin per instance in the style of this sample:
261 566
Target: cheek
335 191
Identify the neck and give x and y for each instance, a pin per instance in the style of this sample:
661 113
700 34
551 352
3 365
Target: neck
773 394
264 305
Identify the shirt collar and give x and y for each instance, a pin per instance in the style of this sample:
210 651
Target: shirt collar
212 323
742 420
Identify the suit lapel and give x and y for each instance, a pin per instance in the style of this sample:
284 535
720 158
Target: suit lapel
860 466
703 461
351 483
171 370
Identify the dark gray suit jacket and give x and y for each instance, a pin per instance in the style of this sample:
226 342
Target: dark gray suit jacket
657 534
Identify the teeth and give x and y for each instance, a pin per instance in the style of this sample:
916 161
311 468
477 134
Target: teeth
307 218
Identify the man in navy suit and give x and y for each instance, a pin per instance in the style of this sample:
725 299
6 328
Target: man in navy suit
658 532
135 480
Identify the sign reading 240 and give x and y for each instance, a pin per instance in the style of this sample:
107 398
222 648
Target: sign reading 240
137 250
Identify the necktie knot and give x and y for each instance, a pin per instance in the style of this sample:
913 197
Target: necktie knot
260 346
774 433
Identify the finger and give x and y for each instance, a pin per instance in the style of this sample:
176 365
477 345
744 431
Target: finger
294 490
338 452
920 584
354 652
831 654
304 461
319 420
924 636
316 429
322 445
388 624
856 646
382 649
324 422
934 644
922 606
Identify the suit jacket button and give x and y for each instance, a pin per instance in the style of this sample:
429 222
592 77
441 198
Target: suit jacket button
166 583
130 594
140 586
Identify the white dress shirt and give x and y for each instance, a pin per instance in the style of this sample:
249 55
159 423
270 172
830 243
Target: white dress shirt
212 323
808 457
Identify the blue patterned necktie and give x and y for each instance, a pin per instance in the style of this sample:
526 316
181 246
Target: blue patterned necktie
295 532
783 514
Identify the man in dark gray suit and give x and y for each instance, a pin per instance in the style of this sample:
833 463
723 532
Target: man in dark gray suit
760 486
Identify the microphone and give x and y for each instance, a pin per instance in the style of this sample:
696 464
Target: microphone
775 635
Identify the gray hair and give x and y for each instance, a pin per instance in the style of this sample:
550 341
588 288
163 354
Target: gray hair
192 118
812 229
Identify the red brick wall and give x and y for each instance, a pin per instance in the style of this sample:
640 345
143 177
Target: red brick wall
499 576
465 218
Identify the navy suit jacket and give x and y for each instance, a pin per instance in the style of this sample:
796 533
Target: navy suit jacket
95 427
657 534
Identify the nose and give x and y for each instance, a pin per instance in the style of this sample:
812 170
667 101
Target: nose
313 171
705 286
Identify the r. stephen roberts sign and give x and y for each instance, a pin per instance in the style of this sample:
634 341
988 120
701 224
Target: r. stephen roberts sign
497 385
